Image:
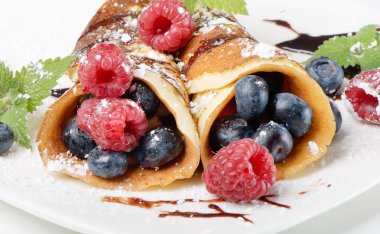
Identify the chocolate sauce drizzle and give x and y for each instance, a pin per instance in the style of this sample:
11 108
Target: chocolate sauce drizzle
220 214
266 200
135 201
304 43
141 203
58 92
207 45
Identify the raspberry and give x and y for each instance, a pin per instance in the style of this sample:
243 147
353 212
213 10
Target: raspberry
166 25
242 171
114 124
363 95
106 72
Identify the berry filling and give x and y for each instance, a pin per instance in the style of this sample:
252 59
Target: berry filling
282 115
107 131
166 25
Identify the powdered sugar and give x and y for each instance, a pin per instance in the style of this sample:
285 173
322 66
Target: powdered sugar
313 147
71 165
261 50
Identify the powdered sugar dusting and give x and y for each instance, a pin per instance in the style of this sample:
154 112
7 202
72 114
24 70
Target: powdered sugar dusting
71 165
261 50
313 147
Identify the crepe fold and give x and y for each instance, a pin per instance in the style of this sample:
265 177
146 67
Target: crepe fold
116 21
220 54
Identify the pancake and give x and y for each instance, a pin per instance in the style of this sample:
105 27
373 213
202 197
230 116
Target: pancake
116 22
219 55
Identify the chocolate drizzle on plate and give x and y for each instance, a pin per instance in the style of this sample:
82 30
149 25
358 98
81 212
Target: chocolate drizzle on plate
220 214
304 43
134 201
141 203
266 200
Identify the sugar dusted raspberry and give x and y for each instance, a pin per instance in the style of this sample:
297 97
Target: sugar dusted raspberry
114 124
166 25
363 95
242 171
106 71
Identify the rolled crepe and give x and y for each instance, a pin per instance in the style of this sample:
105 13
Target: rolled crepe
220 54
116 21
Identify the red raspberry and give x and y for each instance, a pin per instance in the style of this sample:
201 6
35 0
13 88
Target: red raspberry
363 95
106 71
166 25
114 124
242 171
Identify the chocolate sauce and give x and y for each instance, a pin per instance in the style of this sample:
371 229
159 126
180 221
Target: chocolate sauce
220 214
304 43
266 200
207 45
134 201
58 92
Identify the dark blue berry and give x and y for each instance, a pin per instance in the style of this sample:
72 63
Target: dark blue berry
275 81
78 142
159 147
251 96
337 115
327 73
276 138
6 138
107 164
142 94
293 112
229 129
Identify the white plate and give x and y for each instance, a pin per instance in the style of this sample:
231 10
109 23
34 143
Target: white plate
43 28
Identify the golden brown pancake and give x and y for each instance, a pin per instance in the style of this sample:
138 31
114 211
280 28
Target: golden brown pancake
221 53
116 22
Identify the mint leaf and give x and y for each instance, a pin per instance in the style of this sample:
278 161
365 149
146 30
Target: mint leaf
367 35
190 5
229 6
362 49
16 119
36 80
338 49
6 79
370 59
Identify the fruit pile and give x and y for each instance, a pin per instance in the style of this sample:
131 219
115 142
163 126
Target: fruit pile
112 121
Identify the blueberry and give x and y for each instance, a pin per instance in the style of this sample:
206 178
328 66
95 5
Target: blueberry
159 147
229 129
275 81
141 93
107 164
276 138
78 142
6 138
327 73
337 115
293 112
251 96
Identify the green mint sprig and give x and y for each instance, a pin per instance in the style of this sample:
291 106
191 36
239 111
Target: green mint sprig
362 49
229 6
23 91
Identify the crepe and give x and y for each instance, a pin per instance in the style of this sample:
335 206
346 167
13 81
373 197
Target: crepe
116 22
220 54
